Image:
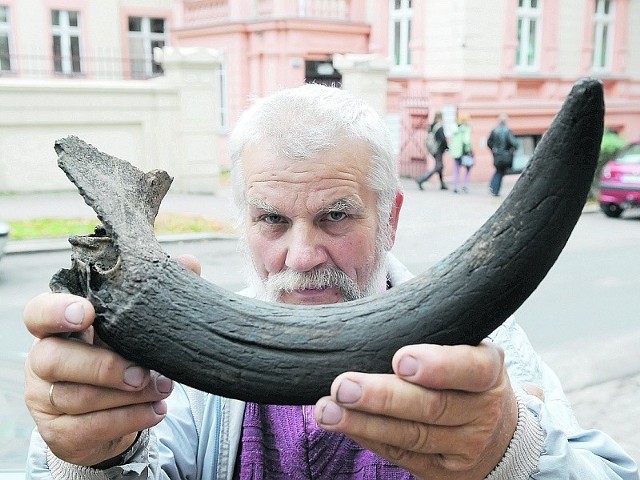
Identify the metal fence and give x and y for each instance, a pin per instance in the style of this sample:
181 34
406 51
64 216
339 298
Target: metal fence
106 67
203 11
414 121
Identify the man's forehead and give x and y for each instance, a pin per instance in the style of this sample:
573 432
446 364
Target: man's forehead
338 178
277 205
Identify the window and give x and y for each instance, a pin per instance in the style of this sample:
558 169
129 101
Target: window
400 33
524 152
602 34
529 31
223 110
145 34
321 71
5 45
65 27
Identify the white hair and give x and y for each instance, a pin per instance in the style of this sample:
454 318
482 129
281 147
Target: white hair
300 122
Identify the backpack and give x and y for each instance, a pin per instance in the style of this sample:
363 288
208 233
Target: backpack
502 143
432 143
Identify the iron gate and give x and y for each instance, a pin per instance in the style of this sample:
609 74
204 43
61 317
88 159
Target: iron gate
414 121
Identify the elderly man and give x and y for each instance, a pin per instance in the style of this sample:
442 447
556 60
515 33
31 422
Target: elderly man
319 201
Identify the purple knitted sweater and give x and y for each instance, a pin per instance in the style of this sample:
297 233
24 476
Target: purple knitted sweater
284 442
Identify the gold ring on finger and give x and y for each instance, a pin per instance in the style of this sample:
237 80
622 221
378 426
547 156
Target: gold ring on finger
51 400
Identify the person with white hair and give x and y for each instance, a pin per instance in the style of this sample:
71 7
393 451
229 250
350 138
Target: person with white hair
314 179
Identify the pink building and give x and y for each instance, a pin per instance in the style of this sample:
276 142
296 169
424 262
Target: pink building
518 57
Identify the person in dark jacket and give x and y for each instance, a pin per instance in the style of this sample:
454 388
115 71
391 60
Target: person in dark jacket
438 130
503 144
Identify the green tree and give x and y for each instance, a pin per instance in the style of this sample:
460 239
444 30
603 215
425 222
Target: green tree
612 143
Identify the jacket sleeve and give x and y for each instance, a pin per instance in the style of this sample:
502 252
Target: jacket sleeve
568 450
166 451
442 139
513 141
490 140
467 146
43 464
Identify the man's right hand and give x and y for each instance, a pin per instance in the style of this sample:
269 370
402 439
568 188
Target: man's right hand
88 402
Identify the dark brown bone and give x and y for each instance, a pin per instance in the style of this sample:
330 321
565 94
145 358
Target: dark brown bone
164 317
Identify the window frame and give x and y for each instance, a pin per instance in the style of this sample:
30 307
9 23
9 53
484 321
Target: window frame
526 17
602 21
222 97
401 19
5 32
67 32
150 68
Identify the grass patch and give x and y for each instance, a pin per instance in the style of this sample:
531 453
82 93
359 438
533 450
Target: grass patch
177 223
40 228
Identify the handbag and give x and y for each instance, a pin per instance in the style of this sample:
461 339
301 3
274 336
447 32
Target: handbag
503 159
467 161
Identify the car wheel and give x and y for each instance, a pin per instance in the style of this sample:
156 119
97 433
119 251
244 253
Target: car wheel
611 209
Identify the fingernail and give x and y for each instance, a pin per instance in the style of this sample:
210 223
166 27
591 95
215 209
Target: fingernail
348 392
74 313
331 413
408 366
159 407
134 376
163 384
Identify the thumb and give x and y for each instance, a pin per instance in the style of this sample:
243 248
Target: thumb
190 263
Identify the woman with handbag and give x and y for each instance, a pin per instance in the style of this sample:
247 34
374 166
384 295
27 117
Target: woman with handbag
461 151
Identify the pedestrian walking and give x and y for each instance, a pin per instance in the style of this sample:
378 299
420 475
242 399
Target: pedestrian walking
436 146
461 150
503 144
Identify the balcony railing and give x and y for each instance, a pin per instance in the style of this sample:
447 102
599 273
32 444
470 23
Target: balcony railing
197 12
84 67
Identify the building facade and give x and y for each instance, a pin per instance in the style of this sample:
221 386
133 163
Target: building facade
518 57
82 39
87 68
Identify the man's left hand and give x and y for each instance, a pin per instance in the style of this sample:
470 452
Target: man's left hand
448 412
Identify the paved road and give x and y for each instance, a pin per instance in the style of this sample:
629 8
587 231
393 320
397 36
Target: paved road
595 281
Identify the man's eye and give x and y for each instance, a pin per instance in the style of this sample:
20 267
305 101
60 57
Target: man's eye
336 216
272 219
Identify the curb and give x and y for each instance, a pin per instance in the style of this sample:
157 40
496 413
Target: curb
591 209
61 244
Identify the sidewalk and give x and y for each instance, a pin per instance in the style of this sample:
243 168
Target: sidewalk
609 405
70 204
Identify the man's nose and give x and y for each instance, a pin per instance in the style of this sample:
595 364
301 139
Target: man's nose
305 250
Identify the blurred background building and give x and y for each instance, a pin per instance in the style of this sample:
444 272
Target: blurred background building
87 67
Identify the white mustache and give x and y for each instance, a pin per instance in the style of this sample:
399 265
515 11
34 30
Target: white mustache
289 281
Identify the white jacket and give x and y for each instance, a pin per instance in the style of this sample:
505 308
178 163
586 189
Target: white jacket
200 436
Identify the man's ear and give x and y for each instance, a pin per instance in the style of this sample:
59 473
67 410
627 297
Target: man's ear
395 216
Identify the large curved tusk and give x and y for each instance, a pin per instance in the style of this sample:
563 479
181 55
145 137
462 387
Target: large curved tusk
162 316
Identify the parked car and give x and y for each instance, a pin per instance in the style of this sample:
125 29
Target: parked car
4 237
620 182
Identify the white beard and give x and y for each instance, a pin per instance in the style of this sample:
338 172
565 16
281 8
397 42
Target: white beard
271 289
